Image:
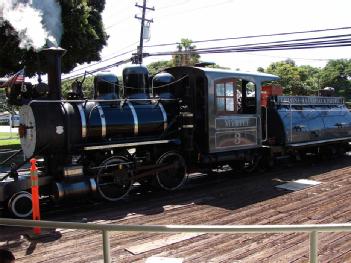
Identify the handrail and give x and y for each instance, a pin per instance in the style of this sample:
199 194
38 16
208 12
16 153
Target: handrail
100 100
266 124
313 230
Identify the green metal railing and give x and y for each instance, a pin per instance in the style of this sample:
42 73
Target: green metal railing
313 230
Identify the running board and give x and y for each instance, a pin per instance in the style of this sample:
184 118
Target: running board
319 142
130 144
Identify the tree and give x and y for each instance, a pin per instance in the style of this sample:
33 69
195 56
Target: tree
3 103
190 57
288 73
158 66
260 69
88 87
83 37
337 74
310 76
296 80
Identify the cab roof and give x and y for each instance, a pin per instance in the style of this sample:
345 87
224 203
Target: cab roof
214 73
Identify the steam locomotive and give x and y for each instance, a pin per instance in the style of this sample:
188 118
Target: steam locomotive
156 130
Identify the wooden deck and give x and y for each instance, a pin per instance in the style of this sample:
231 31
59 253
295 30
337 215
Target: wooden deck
227 200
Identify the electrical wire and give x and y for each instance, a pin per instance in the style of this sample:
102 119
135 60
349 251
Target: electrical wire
116 64
255 36
120 21
327 41
173 5
282 41
107 59
289 57
97 63
259 48
299 43
240 48
194 9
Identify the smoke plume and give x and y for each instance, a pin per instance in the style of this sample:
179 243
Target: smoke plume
36 22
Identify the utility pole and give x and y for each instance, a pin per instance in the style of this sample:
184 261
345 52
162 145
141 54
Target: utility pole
139 57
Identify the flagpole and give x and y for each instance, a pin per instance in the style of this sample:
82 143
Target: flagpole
24 76
10 122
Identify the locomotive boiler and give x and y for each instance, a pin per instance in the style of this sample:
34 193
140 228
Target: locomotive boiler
65 127
155 130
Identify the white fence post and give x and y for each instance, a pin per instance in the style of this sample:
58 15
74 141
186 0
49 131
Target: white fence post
313 247
106 246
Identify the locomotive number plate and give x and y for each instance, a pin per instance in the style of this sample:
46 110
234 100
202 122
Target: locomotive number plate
237 122
236 138
236 132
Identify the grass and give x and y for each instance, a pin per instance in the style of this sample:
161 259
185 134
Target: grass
12 143
7 142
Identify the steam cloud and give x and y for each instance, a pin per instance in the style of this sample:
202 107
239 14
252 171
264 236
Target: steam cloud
36 22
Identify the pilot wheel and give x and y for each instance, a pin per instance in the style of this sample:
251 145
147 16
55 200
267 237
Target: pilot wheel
176 175
113 179
20 204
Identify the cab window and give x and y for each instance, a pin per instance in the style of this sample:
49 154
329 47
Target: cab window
226 96
235 96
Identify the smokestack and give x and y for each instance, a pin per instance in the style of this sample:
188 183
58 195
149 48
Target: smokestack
53 63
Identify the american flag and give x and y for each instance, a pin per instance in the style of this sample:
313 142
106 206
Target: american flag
15 79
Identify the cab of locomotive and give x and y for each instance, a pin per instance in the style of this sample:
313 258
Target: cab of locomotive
234 110
221 111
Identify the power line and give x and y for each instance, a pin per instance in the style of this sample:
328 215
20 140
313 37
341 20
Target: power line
195 9
125 18
301 43
290 46
171 6
97 63
107 59
269 46
116 64
255 36
120 21
335 37
286 57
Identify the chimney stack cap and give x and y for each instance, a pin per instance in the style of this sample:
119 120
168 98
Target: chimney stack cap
54 50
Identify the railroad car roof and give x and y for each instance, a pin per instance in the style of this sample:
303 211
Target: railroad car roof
214 72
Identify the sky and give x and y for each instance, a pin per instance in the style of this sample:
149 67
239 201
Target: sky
209 19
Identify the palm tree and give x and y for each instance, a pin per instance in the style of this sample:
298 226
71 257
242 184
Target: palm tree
189 57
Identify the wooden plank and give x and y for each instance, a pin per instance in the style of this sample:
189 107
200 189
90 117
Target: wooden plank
235 240
212 242
240 200
163 260
158 243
